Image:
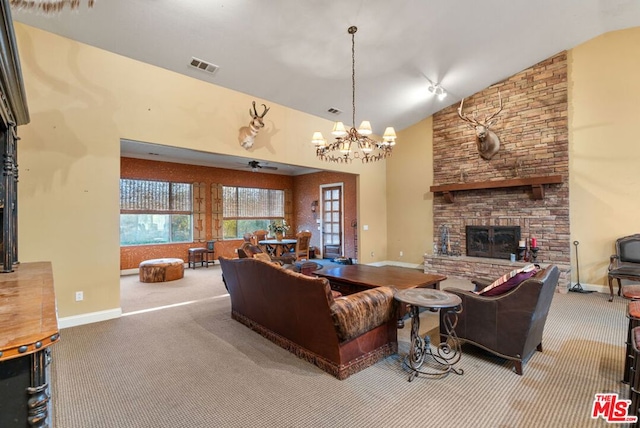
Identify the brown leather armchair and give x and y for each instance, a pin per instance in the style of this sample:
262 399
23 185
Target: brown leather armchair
625 263
509 325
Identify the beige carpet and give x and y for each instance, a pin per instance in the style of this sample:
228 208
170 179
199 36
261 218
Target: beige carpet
191 365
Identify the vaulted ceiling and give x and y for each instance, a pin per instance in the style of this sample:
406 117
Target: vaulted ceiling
298 53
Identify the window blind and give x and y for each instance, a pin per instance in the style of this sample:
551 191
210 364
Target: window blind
154 197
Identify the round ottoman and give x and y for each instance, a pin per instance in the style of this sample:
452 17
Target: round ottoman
161 270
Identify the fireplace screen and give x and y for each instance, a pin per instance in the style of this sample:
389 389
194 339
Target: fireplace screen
496 242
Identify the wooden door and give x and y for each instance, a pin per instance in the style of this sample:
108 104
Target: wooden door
332 222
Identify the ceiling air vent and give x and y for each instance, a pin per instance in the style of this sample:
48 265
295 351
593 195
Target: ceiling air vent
203 65
334 111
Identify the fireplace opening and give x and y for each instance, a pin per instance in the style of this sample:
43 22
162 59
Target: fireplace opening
495 242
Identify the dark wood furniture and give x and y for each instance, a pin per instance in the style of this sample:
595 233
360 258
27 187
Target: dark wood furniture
197 255
303 240
13 112
28 327
276 248
509 325
633 314
535 183
634 381
349 279
625 263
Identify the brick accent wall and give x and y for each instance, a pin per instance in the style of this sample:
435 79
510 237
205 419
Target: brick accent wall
304 190
533 130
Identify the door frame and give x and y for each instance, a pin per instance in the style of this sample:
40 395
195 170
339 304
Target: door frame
322 187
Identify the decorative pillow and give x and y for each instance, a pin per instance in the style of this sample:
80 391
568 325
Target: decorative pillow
508 281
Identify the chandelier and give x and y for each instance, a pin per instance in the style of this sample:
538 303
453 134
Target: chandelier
48 6
354 143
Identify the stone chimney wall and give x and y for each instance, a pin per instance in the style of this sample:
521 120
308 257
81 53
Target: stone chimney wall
533 130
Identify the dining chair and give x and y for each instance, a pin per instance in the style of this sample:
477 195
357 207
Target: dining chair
301 251
259 235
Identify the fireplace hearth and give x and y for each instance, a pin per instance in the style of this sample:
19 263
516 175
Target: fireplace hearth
496 242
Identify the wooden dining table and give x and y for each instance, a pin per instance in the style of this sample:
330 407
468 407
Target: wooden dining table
276 248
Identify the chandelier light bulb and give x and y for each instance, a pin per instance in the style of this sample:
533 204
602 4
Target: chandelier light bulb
318 139
365 128
339 130
345 147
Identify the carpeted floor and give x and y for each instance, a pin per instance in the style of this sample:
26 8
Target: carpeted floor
190 365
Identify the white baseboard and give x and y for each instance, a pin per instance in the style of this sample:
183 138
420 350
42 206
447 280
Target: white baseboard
76 320
134 271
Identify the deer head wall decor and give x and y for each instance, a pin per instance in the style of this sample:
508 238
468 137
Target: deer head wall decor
248 133
487 141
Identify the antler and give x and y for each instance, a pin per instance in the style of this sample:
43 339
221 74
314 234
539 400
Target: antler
489 120
464 117
255 112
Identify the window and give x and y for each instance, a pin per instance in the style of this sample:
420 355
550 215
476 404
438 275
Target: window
154 212
248 209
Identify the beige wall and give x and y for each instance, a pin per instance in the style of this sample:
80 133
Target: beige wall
82 100
604 148
409 201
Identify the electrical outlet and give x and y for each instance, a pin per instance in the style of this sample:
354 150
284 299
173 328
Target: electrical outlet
401 253
372 254
79 296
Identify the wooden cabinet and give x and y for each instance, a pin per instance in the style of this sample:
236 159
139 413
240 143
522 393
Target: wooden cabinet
13 112
28 327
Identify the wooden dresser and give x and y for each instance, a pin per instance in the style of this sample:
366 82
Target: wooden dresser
28 327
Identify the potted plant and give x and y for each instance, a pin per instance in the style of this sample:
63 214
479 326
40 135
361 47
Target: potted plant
278 228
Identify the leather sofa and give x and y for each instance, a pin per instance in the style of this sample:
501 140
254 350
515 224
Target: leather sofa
509 325
298 312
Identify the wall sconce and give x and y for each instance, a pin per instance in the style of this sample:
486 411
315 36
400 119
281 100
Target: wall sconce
314 208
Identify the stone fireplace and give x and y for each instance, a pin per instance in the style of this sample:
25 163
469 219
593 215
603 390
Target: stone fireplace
524 186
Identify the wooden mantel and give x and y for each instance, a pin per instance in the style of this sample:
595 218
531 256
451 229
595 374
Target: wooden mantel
536 184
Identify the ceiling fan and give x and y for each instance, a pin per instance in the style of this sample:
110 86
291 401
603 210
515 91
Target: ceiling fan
255 165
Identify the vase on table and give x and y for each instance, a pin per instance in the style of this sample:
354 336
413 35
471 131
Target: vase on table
279 236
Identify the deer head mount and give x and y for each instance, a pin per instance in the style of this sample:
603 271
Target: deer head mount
487 141
248 133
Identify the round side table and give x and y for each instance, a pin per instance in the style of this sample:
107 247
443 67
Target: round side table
448 352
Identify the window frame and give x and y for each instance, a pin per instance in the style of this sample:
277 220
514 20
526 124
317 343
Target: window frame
172 211
275 210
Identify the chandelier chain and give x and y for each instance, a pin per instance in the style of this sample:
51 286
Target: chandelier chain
353 30
354 143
